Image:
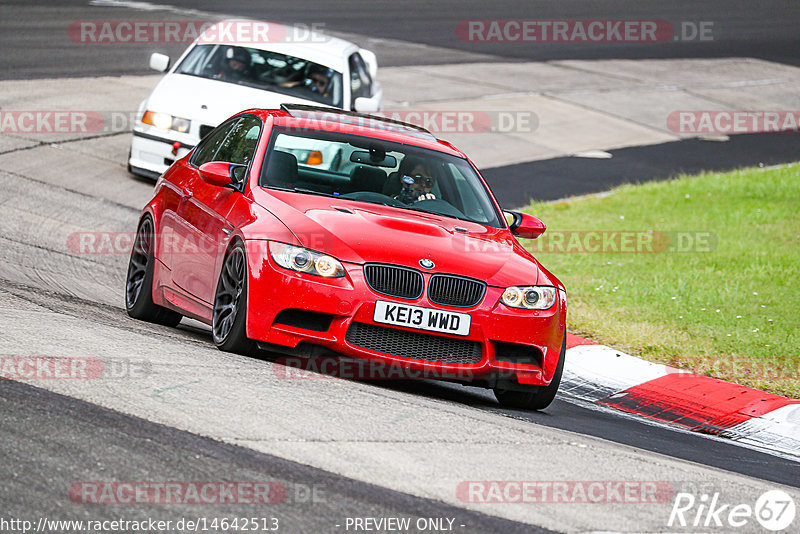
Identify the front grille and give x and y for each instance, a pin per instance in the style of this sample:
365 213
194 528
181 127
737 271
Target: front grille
205 129
417 346
394 281
455 290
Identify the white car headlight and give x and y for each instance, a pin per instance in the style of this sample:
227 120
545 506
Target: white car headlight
304 260
529 297
165 121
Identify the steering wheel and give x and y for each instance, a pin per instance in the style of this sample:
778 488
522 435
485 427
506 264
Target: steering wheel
283 74
438 206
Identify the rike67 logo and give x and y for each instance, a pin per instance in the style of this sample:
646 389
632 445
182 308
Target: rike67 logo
774 510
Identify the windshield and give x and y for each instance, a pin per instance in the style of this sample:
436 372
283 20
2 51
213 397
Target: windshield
267 70
364 169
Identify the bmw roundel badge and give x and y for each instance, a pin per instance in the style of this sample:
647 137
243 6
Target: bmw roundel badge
428 264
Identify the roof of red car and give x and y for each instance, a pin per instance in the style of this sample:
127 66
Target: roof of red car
336 120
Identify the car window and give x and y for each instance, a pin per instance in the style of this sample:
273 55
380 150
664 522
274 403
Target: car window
360 80
265 69
207 148
234 142
240 143
471 203
195 59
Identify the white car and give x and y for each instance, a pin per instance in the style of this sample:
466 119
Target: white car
213 80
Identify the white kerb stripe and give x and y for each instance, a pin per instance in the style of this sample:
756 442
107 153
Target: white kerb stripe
596 371
777 430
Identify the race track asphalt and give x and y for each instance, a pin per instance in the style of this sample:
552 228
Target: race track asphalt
34 33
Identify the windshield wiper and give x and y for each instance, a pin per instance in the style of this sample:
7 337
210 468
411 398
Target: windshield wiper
302 190
312 192
464 218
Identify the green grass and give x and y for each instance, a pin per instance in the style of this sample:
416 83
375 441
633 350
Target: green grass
731 312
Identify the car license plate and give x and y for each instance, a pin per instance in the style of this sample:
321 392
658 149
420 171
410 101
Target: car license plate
421 318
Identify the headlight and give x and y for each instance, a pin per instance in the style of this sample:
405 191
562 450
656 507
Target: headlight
529 297
166 121
304 260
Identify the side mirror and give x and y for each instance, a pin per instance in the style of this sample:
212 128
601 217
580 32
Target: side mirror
219 173
525 226
159 62
367 105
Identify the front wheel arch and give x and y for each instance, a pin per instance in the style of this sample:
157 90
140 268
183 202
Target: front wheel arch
229 313
536 397
139 278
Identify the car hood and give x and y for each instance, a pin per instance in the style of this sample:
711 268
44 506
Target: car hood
359 232
211 101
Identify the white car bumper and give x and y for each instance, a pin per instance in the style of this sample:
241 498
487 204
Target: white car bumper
152 151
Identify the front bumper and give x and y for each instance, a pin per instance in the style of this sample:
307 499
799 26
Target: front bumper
345 304
152 150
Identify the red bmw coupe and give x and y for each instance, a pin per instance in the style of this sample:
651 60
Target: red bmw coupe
309 230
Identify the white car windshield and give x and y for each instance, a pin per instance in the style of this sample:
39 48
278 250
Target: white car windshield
264 69
365 169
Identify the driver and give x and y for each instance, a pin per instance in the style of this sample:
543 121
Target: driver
319 80
236 64
416 180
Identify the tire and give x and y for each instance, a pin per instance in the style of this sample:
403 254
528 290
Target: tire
229 320
538 397
139 280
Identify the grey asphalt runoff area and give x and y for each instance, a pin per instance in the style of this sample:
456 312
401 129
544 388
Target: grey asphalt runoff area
180 410
88 444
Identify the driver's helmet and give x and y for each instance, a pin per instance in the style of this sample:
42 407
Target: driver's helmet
409 178
319 79
237 60
412 182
